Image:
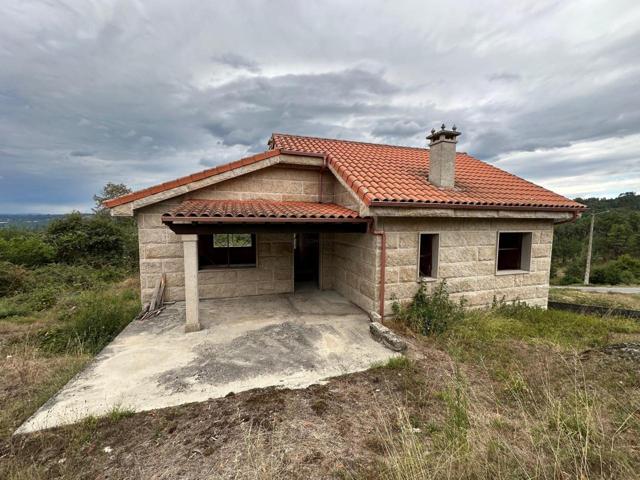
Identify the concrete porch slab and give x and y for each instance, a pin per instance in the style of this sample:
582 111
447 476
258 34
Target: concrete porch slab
291 340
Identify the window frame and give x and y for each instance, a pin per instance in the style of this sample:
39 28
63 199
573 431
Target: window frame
228 266
435 256
525 252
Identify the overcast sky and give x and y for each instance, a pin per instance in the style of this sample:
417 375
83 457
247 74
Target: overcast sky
141 92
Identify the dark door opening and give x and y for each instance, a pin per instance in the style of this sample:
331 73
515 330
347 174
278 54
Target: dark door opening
306 260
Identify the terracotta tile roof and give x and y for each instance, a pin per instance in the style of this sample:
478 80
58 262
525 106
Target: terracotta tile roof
178 182
386 173
262 209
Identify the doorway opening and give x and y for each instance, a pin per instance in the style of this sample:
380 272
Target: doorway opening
306 261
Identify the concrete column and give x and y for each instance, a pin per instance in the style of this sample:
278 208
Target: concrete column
191 296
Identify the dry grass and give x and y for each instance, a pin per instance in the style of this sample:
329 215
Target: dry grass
613 300
528 427
503 394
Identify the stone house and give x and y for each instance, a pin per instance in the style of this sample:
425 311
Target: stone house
369 221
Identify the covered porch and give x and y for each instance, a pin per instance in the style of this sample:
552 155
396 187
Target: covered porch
242 248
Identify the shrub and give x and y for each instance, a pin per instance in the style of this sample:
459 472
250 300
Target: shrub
98 240
430 314
96 320
574 273
12 278
28 249
624 269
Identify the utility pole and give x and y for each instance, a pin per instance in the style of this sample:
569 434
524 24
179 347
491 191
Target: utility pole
587 270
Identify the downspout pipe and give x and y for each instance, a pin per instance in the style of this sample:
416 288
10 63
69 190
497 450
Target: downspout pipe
383 263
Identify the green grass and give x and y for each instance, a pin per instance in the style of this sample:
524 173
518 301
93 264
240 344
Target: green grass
400 362
482 329
612 300
95 320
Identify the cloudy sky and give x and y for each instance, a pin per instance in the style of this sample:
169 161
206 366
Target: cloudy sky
141 92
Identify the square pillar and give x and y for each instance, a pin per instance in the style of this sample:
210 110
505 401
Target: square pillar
191 295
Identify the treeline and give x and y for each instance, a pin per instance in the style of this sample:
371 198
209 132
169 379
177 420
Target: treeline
616 243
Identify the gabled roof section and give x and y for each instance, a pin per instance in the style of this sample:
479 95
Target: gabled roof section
386 174
178 182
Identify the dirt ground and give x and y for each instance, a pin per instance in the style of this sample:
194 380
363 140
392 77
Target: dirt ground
348 428
322 431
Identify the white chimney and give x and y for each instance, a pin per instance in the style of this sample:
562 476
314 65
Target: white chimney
442 156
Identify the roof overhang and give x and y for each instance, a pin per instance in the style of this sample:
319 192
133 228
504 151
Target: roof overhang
237 216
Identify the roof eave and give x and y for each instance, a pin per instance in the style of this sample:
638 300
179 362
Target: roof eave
471 206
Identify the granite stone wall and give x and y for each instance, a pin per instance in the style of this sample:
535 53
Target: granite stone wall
467 259
350 267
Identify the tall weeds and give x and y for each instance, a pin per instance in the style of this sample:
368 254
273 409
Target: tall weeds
541 431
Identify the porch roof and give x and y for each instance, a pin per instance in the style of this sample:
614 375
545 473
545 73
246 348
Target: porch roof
259 211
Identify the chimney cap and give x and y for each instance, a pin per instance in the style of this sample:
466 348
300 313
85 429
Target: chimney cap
443 133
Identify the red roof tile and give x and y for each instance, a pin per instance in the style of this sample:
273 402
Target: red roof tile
178 182
383 173
259 209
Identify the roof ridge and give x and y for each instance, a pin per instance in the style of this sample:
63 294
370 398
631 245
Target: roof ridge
351 141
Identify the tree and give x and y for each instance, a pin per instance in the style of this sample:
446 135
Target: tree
109 191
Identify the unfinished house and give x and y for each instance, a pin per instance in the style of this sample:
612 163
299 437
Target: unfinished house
370 221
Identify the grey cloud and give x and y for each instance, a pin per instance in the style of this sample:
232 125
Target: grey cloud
237 61
504 77
152 91
250 109
81 153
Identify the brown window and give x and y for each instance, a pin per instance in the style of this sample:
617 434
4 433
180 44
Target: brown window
512 252
225 250
428 254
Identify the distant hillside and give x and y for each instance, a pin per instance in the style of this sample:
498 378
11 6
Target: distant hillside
31 221
616 241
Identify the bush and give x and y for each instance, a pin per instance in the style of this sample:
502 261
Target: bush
97 240
12 278
92 324
430 314
28 249
574 273
625 269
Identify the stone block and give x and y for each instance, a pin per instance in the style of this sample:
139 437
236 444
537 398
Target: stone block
458 254
401 257
486 267
282 249
368 289
173 294
386 337
171 250
541 250
254 275
408 274
461 269
283 274
150 266
487 253
264 249
152 235
175 279
151 220
392 240
408 240
217 276
462 284
173 265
